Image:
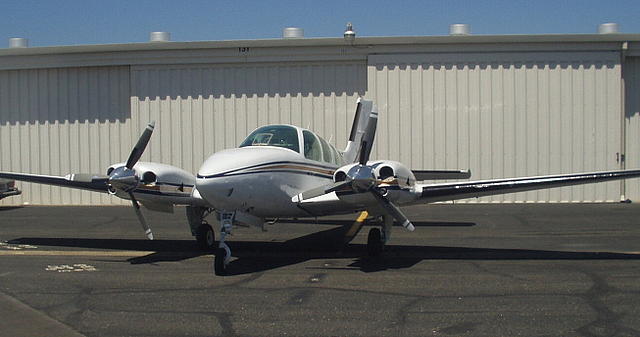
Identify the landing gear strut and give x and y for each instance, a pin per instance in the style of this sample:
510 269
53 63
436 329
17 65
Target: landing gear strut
223 253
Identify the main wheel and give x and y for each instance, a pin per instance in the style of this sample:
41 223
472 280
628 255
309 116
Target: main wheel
218 262
374 242
206 237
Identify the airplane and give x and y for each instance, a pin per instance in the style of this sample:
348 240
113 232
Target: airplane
285 171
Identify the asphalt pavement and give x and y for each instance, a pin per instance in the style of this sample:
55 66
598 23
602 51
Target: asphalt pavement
467 270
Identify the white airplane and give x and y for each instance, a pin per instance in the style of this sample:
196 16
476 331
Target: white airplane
284 171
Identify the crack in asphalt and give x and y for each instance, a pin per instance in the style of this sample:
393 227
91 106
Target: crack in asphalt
607 322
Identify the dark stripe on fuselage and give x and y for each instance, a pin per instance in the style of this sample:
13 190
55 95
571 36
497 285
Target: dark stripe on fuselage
230 172
309 173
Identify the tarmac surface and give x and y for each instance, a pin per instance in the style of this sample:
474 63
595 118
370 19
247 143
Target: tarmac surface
467 270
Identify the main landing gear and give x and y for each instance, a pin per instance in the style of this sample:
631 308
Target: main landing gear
200 228
378 238
206 237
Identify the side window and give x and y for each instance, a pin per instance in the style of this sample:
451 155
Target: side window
312 147
327 154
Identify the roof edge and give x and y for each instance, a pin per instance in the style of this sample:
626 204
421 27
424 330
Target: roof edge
323 42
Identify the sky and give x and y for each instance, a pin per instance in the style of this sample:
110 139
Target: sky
81 22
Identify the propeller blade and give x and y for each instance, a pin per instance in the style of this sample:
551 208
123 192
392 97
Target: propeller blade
393 210
143 222
137 151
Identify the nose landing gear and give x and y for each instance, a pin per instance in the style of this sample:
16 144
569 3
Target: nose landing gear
223 253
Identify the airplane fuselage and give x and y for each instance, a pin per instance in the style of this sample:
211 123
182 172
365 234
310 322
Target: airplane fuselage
260 180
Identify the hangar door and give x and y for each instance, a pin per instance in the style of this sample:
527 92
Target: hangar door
503 115
205 108
632 123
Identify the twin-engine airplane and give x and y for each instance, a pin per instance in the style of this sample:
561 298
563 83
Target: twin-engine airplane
283 171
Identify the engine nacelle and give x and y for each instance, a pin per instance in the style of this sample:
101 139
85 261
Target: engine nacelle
159 182
383 170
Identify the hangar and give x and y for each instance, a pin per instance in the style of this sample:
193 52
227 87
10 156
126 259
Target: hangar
502 106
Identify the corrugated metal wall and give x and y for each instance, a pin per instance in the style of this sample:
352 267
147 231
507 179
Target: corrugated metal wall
201 109
502 115
632 123
56 121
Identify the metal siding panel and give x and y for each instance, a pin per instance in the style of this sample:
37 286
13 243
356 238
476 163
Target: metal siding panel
520 114
45 129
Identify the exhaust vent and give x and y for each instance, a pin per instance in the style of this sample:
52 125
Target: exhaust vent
459 29
608 28
18 42
293 33
159 37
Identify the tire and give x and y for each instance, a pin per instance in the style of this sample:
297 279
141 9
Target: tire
218 262
206 237
374 242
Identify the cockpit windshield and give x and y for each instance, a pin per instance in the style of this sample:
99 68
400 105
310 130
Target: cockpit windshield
274 135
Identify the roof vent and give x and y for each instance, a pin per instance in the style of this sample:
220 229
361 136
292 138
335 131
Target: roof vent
18 42
349 33
459 29
608 28
293 33
159 37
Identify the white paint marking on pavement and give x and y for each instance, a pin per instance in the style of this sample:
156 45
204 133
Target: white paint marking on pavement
65 268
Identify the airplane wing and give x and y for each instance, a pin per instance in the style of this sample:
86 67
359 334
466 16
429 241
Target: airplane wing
83 181
471 189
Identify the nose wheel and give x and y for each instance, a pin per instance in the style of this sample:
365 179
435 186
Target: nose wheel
219 265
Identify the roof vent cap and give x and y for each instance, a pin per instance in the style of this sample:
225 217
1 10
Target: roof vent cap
608 28
159 37
293 33
349 33
459 29
18 42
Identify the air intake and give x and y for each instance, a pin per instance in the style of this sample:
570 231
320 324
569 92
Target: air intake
459 29
292 33
18 42
159 37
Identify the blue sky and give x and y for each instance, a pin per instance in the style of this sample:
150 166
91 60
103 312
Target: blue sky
72 22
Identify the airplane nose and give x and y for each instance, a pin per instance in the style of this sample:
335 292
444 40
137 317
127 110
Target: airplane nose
226 179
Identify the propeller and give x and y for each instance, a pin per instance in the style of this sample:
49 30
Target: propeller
125 179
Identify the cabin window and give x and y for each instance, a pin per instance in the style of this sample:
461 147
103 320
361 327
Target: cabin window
312 147
274 135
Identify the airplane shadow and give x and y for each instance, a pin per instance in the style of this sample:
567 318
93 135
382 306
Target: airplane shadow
8 208
350 222
251 256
